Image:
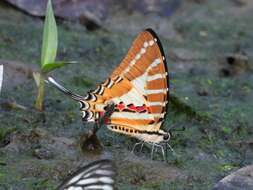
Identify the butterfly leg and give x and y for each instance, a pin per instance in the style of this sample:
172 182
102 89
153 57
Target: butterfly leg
136 144
172 150
162 149
152 150
142 146
166 151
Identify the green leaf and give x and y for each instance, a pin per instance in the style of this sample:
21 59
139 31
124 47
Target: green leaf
51 66
50 37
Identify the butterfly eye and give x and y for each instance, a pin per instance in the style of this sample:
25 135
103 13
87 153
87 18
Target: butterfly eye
166 137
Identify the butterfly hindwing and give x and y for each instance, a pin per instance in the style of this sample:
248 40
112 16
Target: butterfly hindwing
97 175
138 87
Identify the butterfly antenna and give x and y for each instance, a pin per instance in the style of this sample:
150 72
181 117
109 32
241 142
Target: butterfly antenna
64 90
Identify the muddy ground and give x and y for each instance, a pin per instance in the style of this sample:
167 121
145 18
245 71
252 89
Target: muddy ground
209 50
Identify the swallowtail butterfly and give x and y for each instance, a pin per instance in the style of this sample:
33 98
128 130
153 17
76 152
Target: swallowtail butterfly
98 175
138 88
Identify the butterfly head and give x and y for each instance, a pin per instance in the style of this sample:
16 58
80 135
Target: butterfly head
166 137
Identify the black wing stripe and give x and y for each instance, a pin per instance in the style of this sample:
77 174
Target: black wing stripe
97 175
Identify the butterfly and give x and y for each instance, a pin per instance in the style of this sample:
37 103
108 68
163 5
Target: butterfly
97 175
139 90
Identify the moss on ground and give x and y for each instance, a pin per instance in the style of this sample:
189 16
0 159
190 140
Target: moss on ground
215 111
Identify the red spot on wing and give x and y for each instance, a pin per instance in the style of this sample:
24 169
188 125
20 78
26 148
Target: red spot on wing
131 107
138 109
120 106
141 108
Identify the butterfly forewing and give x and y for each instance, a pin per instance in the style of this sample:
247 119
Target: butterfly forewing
97 175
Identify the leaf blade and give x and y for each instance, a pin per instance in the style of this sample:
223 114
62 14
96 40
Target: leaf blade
50 37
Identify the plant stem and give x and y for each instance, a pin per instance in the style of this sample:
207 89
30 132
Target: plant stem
41 93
